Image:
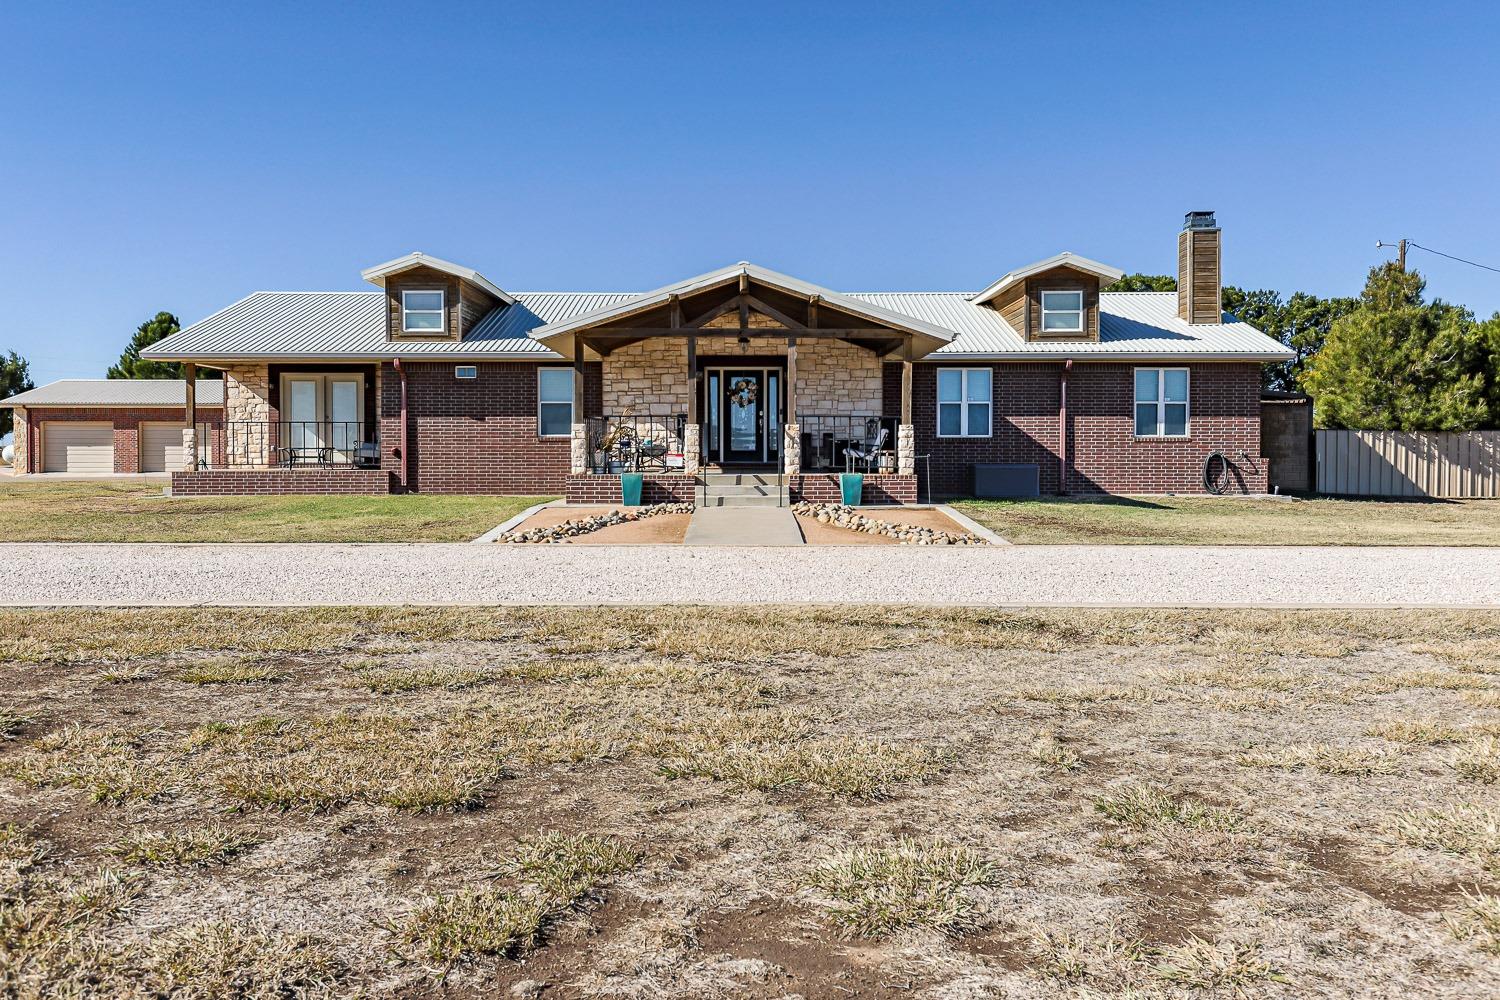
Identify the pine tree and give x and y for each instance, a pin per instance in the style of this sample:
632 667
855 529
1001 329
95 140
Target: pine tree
15 377
163 324
1402 364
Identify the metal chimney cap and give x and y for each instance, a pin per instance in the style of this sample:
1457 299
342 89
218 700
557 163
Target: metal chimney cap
1199 220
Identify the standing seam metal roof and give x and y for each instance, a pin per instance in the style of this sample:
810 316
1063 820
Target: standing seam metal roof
351 325
119 392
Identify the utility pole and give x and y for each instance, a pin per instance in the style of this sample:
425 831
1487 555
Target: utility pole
1400 252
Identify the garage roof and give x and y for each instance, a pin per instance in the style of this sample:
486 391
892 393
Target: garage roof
119 392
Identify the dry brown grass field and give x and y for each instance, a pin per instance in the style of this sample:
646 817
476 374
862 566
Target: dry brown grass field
749 803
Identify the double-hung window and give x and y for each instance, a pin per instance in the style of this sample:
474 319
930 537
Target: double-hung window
422 312
963 402
1161 402
554 407
1062 312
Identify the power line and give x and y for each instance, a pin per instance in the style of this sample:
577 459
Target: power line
1461 260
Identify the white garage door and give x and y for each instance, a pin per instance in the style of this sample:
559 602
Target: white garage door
78 448
161 448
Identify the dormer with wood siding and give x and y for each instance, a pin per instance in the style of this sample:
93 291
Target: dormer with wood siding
430 299
1056 299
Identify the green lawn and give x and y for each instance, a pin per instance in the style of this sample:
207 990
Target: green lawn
1239 521
136 511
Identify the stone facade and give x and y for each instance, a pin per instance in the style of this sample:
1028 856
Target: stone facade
651 378
19 462
247 414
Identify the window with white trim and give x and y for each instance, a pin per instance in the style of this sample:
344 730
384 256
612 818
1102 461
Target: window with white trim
554 402
1062 312
963 402
465 371
422 311
1161 402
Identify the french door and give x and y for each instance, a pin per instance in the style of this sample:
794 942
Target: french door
323 415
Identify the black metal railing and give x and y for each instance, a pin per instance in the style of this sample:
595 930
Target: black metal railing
627 442
292 444
843 442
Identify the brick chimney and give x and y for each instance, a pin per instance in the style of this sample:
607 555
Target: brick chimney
1198 273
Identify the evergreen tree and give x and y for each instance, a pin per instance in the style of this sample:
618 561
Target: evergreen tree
130 365
1399 363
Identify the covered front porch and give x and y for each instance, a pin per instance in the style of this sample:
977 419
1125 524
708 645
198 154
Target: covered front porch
743 370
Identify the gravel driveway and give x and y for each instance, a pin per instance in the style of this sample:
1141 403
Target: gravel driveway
1136 575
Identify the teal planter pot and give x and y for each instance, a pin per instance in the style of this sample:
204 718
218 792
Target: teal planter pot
853 485
630 488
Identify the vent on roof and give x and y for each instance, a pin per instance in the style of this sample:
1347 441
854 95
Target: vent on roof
1200 220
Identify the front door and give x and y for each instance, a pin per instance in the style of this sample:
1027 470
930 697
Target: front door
744 426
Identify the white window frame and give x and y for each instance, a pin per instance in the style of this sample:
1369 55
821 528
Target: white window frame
465 371
441 310
963 402
572 417
1161 403
1082 311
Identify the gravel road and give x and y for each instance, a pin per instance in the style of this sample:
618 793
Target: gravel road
1140 576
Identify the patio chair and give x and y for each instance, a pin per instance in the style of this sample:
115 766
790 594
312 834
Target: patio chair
867 453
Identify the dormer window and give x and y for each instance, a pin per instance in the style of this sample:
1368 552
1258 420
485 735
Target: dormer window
422 312
1062 312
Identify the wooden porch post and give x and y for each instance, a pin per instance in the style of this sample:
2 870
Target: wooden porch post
190 432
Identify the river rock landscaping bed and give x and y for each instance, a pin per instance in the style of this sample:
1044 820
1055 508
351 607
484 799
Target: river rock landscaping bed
555 533
840 516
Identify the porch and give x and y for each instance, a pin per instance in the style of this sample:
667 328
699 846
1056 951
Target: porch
743 370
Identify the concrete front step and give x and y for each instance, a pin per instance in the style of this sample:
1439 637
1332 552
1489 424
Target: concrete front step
742 478
739 500
744 491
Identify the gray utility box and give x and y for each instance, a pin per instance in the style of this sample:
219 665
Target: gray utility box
1007 479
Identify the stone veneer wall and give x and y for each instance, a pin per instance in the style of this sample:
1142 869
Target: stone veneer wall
19 461
833 377
247 397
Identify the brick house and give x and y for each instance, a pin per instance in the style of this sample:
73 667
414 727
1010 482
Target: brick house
440 381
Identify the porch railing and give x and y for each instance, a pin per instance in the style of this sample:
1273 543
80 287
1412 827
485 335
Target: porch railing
826 436
292 444
627 442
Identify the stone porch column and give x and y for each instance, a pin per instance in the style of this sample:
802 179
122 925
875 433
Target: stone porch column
247 415
791 449
18 464
692 448
578 454
906 449
190 449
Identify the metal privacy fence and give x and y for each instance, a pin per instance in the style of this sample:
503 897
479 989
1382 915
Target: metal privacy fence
1409 463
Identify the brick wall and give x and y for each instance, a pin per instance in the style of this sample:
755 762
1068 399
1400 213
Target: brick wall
880 488
127 426
1104 454
279 482
667 488
474 435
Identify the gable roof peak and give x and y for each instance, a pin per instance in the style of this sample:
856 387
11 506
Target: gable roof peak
1104 272
377 274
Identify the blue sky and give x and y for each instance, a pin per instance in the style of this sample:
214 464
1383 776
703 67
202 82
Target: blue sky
179 156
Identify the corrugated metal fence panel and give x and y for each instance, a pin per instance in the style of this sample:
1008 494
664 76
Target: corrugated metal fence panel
1409 464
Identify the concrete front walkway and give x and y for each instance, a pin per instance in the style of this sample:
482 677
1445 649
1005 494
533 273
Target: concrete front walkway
1132 575
743 526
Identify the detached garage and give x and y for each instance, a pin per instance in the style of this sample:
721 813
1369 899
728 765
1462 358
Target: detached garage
78 448
93 427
